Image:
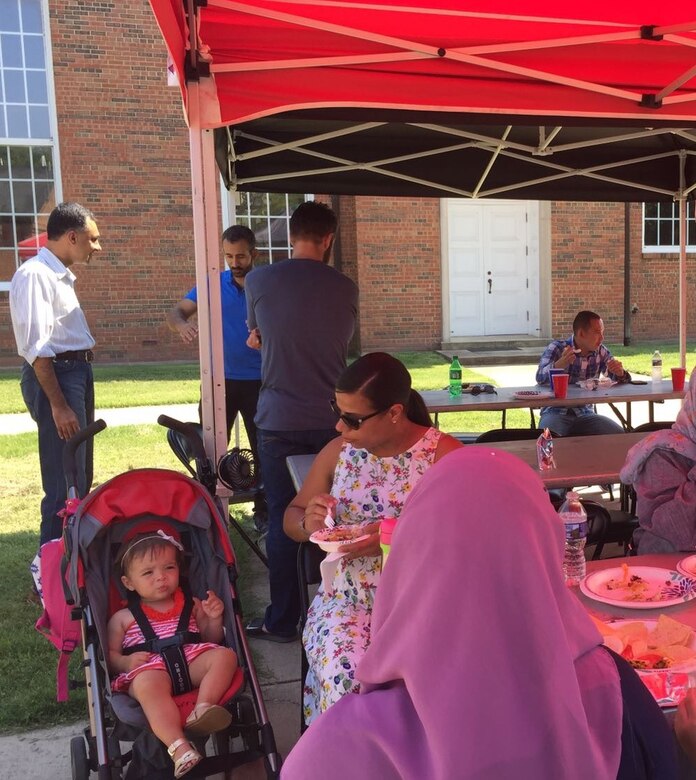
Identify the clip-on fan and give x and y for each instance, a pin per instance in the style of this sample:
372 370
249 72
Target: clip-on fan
237 470
237 467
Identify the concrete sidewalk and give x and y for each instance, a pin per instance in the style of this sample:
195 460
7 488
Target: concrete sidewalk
503 376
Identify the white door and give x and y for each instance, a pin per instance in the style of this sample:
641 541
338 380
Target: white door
488 249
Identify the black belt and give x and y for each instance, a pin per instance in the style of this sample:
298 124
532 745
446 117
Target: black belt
83 355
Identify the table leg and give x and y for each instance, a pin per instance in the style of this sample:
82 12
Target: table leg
626 423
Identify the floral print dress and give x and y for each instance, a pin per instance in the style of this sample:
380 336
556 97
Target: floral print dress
337 631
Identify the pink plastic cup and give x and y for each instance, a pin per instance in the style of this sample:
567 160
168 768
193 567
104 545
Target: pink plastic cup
560 385
678 378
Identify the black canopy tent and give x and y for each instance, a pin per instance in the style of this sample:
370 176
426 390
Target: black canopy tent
370 152
478 99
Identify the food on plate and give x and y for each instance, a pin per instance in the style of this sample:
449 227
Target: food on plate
631 587
339 533
663 644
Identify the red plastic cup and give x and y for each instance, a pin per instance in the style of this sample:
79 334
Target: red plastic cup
555 372
560 385
678 378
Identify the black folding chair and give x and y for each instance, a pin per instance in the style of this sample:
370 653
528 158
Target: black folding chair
309 558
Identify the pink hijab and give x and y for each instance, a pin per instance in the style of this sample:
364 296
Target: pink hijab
482 665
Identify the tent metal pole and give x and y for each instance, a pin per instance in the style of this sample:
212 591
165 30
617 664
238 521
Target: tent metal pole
682 258
682 281
205 234
627 315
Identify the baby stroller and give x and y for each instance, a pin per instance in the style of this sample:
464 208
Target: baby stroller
133 502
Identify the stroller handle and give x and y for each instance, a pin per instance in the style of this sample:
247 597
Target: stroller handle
71 445
188 432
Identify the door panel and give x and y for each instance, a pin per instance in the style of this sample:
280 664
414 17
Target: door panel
488 268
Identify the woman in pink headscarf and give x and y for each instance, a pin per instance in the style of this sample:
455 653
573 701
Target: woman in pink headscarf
483 664
662 470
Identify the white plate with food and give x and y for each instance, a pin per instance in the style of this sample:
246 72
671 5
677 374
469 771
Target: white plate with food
527 395
687 566
330 539
639 587
662 651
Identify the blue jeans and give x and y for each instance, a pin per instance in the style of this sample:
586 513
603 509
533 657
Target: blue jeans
76 382
577 422
283 613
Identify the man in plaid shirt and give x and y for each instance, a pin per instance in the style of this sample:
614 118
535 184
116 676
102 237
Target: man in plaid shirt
585 357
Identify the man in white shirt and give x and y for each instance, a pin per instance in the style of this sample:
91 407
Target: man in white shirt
54 339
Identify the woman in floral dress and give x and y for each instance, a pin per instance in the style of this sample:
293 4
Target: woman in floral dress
386 444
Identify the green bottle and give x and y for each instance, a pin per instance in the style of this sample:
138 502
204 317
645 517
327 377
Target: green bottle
455 377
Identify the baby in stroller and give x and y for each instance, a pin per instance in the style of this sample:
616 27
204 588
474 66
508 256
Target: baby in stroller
149 566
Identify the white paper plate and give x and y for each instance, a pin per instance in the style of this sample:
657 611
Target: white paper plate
526 395
328 545
666 587
687 566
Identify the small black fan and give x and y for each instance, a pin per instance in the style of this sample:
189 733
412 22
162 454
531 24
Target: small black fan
237 469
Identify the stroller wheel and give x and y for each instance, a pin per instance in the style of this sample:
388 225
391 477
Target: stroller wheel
79 762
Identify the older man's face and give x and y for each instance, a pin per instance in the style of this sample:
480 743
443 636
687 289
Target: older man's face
85 242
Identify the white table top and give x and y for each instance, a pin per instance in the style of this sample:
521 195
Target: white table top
440 400
580 460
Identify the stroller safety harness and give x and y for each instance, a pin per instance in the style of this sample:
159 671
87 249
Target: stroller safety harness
171 648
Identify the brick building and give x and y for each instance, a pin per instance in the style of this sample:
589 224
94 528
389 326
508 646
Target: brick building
87 116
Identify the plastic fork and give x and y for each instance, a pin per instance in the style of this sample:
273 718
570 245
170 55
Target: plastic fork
329 522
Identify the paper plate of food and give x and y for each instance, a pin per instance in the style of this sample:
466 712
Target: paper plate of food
639 587
330 539
662 651
687 566
527 395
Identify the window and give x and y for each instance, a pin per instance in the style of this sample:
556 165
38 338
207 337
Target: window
661 227
268 215
27 133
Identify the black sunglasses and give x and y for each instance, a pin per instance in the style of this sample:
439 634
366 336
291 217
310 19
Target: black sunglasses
350 420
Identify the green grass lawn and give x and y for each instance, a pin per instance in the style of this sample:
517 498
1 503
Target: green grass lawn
27 661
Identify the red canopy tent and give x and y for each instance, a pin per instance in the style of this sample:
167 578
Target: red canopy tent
489 98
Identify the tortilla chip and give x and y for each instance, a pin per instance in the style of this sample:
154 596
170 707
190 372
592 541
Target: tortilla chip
670 632
678 654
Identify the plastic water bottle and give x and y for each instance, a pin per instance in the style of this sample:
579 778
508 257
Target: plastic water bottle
455 377
656 366
574 517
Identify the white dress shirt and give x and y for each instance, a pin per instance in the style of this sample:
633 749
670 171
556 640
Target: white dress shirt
46 315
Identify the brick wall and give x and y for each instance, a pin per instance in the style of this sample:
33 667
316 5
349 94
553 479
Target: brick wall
587 250
655 289
398 261
124 154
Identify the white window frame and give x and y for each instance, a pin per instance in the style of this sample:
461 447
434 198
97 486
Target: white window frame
666 249
236 214
52 118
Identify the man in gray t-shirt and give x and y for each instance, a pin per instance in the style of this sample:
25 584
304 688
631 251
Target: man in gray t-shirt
302 314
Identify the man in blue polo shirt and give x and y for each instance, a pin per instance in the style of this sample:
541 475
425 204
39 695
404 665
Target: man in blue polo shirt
242 364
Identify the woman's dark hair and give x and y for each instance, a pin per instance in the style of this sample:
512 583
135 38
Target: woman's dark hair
384 381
